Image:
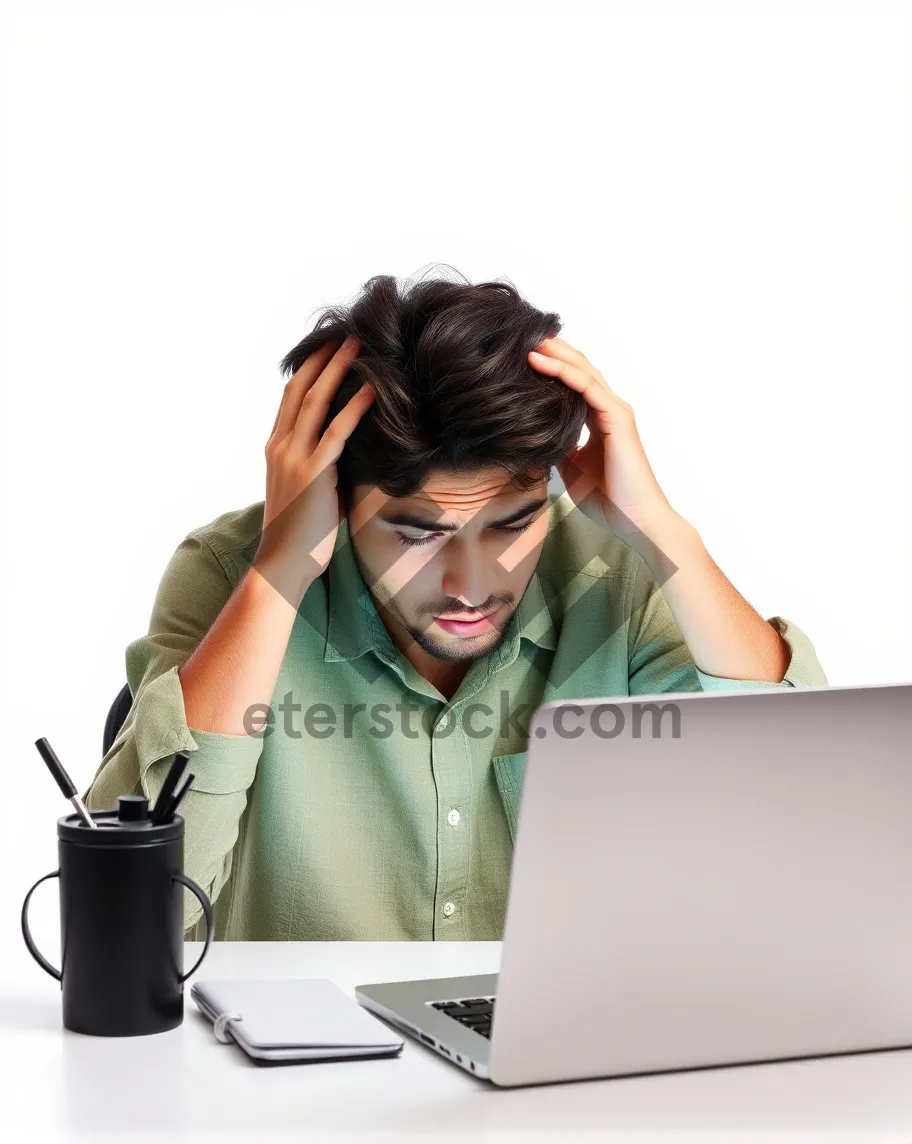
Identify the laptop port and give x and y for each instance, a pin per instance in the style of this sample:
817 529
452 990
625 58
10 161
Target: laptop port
443 1050
428 1040
459 1058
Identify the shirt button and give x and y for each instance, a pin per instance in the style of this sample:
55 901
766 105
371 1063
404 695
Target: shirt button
449 909
453 817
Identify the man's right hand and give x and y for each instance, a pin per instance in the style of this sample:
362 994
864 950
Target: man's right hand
303 507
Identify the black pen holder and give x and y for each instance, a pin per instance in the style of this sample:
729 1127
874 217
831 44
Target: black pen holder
121 922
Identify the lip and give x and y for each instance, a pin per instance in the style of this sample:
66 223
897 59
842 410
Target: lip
467 627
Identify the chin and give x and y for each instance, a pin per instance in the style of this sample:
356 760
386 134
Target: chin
457 647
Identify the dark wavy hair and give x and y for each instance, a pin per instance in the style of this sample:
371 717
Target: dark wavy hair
454 389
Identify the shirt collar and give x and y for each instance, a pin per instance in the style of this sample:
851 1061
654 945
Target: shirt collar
354 626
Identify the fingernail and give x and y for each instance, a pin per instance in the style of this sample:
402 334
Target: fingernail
350 342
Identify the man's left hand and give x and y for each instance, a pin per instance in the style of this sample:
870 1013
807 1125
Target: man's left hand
609 477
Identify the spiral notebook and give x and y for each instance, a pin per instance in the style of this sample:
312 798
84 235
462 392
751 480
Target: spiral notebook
293 1019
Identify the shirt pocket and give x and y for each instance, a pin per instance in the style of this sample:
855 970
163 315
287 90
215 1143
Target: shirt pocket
509 771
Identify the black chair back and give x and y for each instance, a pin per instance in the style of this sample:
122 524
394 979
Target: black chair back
119 711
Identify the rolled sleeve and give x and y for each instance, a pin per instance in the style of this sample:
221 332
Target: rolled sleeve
659 660
220 763
804 668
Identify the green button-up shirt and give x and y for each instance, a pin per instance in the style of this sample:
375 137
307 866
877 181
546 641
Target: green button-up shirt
378 809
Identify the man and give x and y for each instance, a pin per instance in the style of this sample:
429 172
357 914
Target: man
351 664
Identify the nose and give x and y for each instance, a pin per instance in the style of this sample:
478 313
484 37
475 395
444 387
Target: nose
465 578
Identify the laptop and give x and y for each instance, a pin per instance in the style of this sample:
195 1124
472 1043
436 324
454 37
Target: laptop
698 879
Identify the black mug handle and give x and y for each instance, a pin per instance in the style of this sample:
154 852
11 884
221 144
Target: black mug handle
210 921
27 933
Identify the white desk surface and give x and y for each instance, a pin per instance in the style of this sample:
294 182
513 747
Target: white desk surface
185 1085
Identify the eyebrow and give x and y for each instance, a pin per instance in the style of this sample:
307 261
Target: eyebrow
416 520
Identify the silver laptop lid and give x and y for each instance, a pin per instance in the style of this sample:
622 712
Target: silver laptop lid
733 884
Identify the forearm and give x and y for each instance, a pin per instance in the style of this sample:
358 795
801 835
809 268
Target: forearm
725 635
236 665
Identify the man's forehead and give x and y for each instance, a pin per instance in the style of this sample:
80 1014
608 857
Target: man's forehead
464 494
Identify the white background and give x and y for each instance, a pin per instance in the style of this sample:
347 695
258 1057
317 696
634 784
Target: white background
715 198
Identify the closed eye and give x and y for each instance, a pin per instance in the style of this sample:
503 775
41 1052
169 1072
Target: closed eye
414 541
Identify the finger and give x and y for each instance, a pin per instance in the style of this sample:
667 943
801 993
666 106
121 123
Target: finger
316 401
597 394
341 428
365 508
579 483
278 416
298 384
558 348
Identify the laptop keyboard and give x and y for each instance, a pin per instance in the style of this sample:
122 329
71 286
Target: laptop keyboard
477 1013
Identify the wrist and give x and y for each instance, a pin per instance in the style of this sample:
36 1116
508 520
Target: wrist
666 543
278 579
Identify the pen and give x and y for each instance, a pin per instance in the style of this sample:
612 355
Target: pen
171 809
66 784
164 795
